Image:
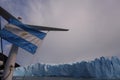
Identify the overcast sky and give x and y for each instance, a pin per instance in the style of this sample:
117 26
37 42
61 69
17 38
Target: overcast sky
94 27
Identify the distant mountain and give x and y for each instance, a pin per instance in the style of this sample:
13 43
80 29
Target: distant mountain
99 68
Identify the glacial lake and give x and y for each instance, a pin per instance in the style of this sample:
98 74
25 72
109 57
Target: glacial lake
54 78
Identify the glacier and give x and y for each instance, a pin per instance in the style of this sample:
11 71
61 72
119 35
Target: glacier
103 67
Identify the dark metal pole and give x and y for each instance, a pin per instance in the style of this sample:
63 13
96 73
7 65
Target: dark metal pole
1 42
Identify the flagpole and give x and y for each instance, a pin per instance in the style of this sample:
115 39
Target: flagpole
10 64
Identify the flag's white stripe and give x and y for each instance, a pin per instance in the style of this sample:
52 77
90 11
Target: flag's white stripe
23 34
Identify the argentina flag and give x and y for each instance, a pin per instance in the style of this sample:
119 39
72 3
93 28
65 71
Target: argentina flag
22 35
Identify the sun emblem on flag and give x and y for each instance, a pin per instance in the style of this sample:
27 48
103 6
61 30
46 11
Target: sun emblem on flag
24 33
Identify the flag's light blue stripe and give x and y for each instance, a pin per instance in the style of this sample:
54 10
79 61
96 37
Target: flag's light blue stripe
35 32
23 34
12 38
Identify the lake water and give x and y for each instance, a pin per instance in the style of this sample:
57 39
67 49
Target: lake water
53 78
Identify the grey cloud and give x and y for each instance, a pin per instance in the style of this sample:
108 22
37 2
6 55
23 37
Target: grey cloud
94 28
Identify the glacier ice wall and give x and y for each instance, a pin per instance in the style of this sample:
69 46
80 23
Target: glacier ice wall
99 68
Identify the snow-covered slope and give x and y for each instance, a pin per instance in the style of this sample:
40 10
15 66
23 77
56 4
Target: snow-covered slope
99 68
